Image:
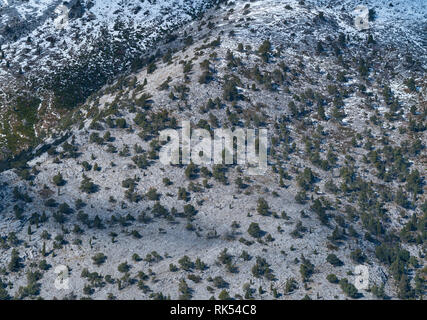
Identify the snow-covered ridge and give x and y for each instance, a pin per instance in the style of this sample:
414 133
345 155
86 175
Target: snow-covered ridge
395 20
31 39
100 39
36 20
47 44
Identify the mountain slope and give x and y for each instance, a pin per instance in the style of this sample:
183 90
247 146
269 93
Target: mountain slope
345 113
56 64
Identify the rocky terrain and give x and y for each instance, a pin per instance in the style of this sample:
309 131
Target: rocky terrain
56 55
89 211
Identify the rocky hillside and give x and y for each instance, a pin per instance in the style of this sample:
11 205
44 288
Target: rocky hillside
345 111
54 56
